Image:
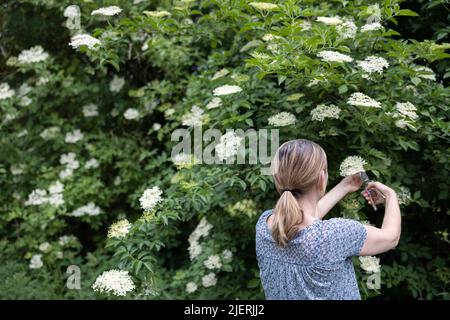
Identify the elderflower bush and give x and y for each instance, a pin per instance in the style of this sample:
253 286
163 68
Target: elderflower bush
87 129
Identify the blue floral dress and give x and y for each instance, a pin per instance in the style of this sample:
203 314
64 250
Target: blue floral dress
316 264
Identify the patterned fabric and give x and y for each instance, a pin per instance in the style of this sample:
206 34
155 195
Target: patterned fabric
316 264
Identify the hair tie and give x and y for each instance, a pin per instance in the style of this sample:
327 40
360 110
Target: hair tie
287 190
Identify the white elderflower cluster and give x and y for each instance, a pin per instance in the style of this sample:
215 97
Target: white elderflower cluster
157 14
347 29
90 110
371 27
156 126
72 11
45 247
150 198
65 240
119 229
282 119
226 90
74 136
333 56
22 93
89 209
361 100
184 160
330 20
50 132
228 145
116 282
33 55
406 110
194 117
107 11
131 114
191 287
404 196
352 165
92 164
322 111
54 196
209 280
214 103
219 74
213 262
116 84
36 262
263 6
202 230
17 169
373 64
227 255
370 264
70 163
270 37
5 91
425 72
84 40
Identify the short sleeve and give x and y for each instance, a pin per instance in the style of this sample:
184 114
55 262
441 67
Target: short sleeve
347 237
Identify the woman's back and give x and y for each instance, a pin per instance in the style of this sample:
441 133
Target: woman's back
315 264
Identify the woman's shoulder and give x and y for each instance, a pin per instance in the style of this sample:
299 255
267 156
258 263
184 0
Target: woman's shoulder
260 224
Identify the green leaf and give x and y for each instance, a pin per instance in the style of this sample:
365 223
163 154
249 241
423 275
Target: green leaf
407 12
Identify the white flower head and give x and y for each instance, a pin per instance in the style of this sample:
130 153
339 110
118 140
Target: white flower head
92 164
404 196
352 165
84 40
69 160
116 84
333 56
347 29
407 110
263 6
90 110
90 210
282 119
227 255
219 74
371 27
370 264
50 133
36 262
322 111
330 20
74 136
107 11
156 126
45 247
214 103
33 55
195 249
373 64
213 262
5 91
150 198
56 187
191 287
72 11
131 114
228 145
37 197
209 280
119 229
116 282
361 100
194 117
157 14
226 90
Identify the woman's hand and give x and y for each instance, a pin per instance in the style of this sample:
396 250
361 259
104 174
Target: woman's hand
378 192
351 183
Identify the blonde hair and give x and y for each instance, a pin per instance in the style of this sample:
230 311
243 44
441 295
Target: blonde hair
296 169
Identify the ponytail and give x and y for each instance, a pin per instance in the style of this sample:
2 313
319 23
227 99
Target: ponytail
287 216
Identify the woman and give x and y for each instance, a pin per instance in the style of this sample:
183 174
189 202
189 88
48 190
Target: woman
301 256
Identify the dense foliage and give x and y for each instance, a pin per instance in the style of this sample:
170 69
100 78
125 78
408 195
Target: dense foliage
86 129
